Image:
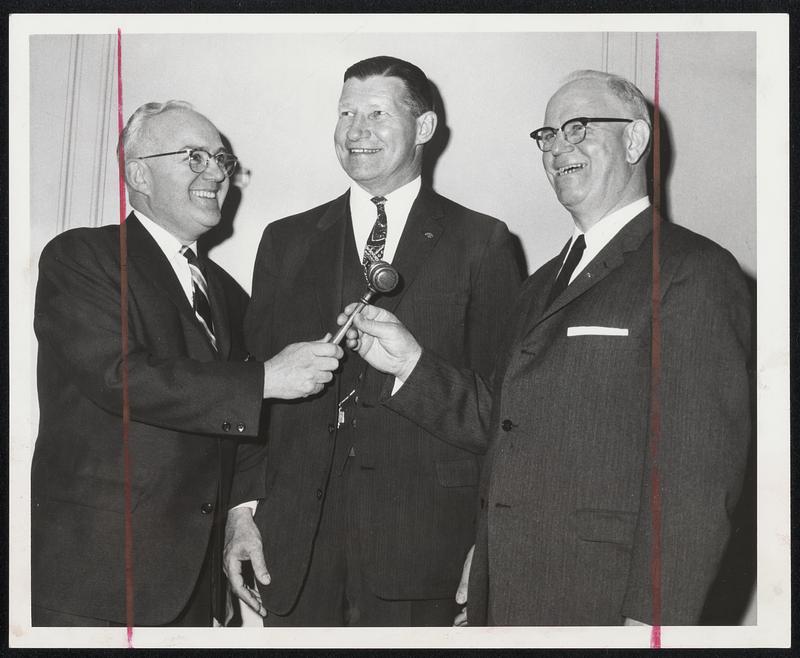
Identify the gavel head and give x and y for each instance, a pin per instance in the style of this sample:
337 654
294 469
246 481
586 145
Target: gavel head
381 277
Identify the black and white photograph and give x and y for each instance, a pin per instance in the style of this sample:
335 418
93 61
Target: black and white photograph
399 330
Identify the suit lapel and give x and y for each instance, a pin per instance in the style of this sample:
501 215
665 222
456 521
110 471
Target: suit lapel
422 231
219 311
610 258
326 257
146 256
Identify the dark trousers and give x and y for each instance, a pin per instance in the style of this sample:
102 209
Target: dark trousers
335 591
197 611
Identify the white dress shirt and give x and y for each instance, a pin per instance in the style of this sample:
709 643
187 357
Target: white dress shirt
604 231
172 247
397 206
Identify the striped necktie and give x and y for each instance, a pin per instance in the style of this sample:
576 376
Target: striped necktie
200 303
376 242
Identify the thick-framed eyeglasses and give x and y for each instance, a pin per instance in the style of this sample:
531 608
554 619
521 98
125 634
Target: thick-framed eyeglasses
198 160
574 131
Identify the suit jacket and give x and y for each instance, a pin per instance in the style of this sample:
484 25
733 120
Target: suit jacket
612 457
183 398
415 494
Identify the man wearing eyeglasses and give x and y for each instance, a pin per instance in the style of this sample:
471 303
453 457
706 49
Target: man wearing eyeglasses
618 414
141 412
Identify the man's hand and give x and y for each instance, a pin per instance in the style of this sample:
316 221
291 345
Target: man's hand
242 543
301 369
382 341
461 592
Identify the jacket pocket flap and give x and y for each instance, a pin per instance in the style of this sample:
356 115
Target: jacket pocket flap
457 472
605 525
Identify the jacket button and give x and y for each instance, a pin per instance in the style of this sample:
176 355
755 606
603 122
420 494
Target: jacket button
506 425
331 428
319 494
206 508
240 427
226 426
354 423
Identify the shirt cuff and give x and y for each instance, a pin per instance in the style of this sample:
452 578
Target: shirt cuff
398 383
249 504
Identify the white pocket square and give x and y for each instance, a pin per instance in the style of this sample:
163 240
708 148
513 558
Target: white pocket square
596 331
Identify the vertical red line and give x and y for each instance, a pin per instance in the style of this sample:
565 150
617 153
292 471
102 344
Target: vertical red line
126 409
655 371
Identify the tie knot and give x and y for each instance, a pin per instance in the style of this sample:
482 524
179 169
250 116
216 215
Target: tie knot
188 254
378 200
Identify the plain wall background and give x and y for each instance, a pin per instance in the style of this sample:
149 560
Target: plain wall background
274 98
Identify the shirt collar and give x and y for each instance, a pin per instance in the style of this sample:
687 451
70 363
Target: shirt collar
603 231
401 197
167 242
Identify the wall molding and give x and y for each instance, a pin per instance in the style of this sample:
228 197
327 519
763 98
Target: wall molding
87 132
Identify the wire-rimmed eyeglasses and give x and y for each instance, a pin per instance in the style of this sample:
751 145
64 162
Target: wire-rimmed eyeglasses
199 158
574 131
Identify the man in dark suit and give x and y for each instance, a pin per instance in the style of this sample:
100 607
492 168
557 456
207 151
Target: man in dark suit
364 517
617 418
139 420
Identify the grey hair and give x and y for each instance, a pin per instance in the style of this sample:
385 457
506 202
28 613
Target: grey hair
623 89
131 135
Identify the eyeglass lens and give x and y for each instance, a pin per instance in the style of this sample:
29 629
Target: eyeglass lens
574 132
199 159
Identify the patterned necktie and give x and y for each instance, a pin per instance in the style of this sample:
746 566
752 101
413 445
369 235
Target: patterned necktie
202 308
573 258
376 242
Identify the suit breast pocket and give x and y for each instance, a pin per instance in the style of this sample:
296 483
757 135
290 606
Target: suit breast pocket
437 318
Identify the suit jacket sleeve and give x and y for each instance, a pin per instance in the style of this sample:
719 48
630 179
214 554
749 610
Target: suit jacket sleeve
452 404
695 463
77 319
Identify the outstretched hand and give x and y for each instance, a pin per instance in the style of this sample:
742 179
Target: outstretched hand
301 369
382 340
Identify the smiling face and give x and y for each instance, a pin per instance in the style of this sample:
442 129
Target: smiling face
603 172
378 139
185 203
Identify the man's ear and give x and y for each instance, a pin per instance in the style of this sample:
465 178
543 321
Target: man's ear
426 126
637 135
137 176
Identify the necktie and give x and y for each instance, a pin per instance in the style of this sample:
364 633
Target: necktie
573 258
202 308
376 242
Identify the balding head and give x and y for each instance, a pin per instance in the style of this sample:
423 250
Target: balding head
604 170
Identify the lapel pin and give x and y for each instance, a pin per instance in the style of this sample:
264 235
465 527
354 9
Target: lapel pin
428 235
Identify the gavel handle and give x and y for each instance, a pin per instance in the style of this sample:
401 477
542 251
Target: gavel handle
365 299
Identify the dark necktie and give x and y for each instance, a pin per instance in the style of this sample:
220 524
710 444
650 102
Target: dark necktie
376 242
573 258
200 303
